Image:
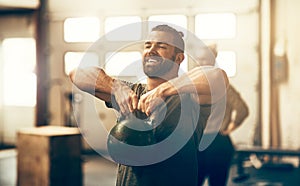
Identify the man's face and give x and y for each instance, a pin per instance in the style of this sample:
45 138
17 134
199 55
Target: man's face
159 54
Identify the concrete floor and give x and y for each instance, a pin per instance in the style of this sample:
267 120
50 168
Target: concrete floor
98 171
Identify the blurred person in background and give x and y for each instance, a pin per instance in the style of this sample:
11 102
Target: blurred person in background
214 162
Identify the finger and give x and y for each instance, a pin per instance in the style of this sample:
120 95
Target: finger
140 104
140 107
150 107
129 106
148 111
134 102
125 105
122 109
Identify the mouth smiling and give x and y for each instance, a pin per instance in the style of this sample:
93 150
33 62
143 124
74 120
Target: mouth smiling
153 60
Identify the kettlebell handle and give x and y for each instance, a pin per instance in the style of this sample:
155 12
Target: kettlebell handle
153 118
139 114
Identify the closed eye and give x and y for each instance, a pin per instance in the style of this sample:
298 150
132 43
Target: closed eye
163 46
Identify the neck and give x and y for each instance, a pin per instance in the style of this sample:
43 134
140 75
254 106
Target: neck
153 82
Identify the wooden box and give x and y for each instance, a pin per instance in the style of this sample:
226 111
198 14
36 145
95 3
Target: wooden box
49 156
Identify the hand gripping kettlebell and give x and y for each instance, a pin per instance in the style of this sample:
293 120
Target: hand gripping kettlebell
135 130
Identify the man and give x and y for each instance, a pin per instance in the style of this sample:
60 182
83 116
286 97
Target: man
162 56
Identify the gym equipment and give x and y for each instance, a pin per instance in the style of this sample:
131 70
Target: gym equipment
134 130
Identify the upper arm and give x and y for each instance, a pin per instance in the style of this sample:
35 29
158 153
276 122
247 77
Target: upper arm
238 104
218 84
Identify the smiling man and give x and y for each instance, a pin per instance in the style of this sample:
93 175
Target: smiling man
173 160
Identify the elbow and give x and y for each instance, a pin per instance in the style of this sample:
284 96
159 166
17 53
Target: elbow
246 112
223 74
243 111
222 82
72 75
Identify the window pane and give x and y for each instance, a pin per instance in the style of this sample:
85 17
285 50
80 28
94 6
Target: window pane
124 64
177 21
226 60
85 59
19 86
83 29
126 33
183 65
215 26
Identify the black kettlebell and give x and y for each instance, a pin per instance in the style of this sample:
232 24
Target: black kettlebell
135 130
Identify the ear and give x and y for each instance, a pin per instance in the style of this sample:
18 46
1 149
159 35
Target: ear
179 58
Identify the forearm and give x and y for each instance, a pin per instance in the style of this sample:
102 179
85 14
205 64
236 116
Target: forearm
241 115
94 81
200 81
238 106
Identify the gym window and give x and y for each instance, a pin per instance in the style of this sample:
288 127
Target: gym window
81 29
121 28
226 60
19 78
125 65
215 26
82 59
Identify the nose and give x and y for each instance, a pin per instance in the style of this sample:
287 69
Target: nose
153 49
